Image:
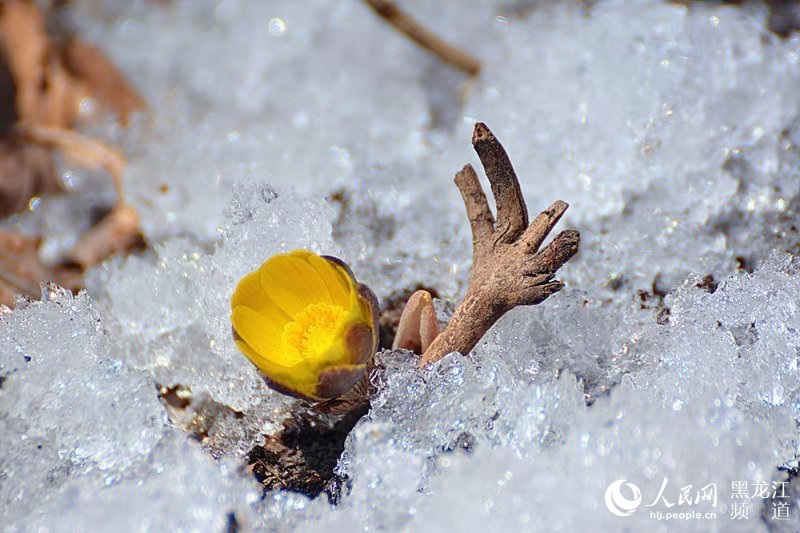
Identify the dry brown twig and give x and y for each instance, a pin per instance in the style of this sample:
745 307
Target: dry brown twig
103 80
509 269
117 232
26 170
52 77
44 81
405 24
21 270
79 149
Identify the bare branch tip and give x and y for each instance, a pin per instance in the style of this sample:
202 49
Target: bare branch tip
553 287
481 132
559 207
570 236
563 248
465 173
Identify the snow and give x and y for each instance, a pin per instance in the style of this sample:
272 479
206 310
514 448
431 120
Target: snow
673 133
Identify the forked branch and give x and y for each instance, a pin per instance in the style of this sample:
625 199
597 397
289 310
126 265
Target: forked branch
509 268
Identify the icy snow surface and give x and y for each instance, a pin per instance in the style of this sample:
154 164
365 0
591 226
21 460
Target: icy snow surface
674 134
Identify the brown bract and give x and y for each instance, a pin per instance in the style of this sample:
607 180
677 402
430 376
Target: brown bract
418 326
106 84
53 77
117 232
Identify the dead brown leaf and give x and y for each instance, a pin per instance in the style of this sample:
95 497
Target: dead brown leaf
49 80
117 232
80 150
102 79
26 171
43 81
21 270
24 47
45 93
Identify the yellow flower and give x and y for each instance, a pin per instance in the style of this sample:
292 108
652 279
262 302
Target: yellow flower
306 323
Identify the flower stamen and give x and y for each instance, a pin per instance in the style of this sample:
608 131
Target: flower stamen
313 330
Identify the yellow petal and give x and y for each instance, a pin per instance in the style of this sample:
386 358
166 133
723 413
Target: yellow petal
264 336
265 365
250 293
294 381
339 284
314 285
292 283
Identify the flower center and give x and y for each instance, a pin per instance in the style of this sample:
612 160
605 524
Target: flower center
313 330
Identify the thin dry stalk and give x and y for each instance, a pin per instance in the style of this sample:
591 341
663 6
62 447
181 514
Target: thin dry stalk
428 40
